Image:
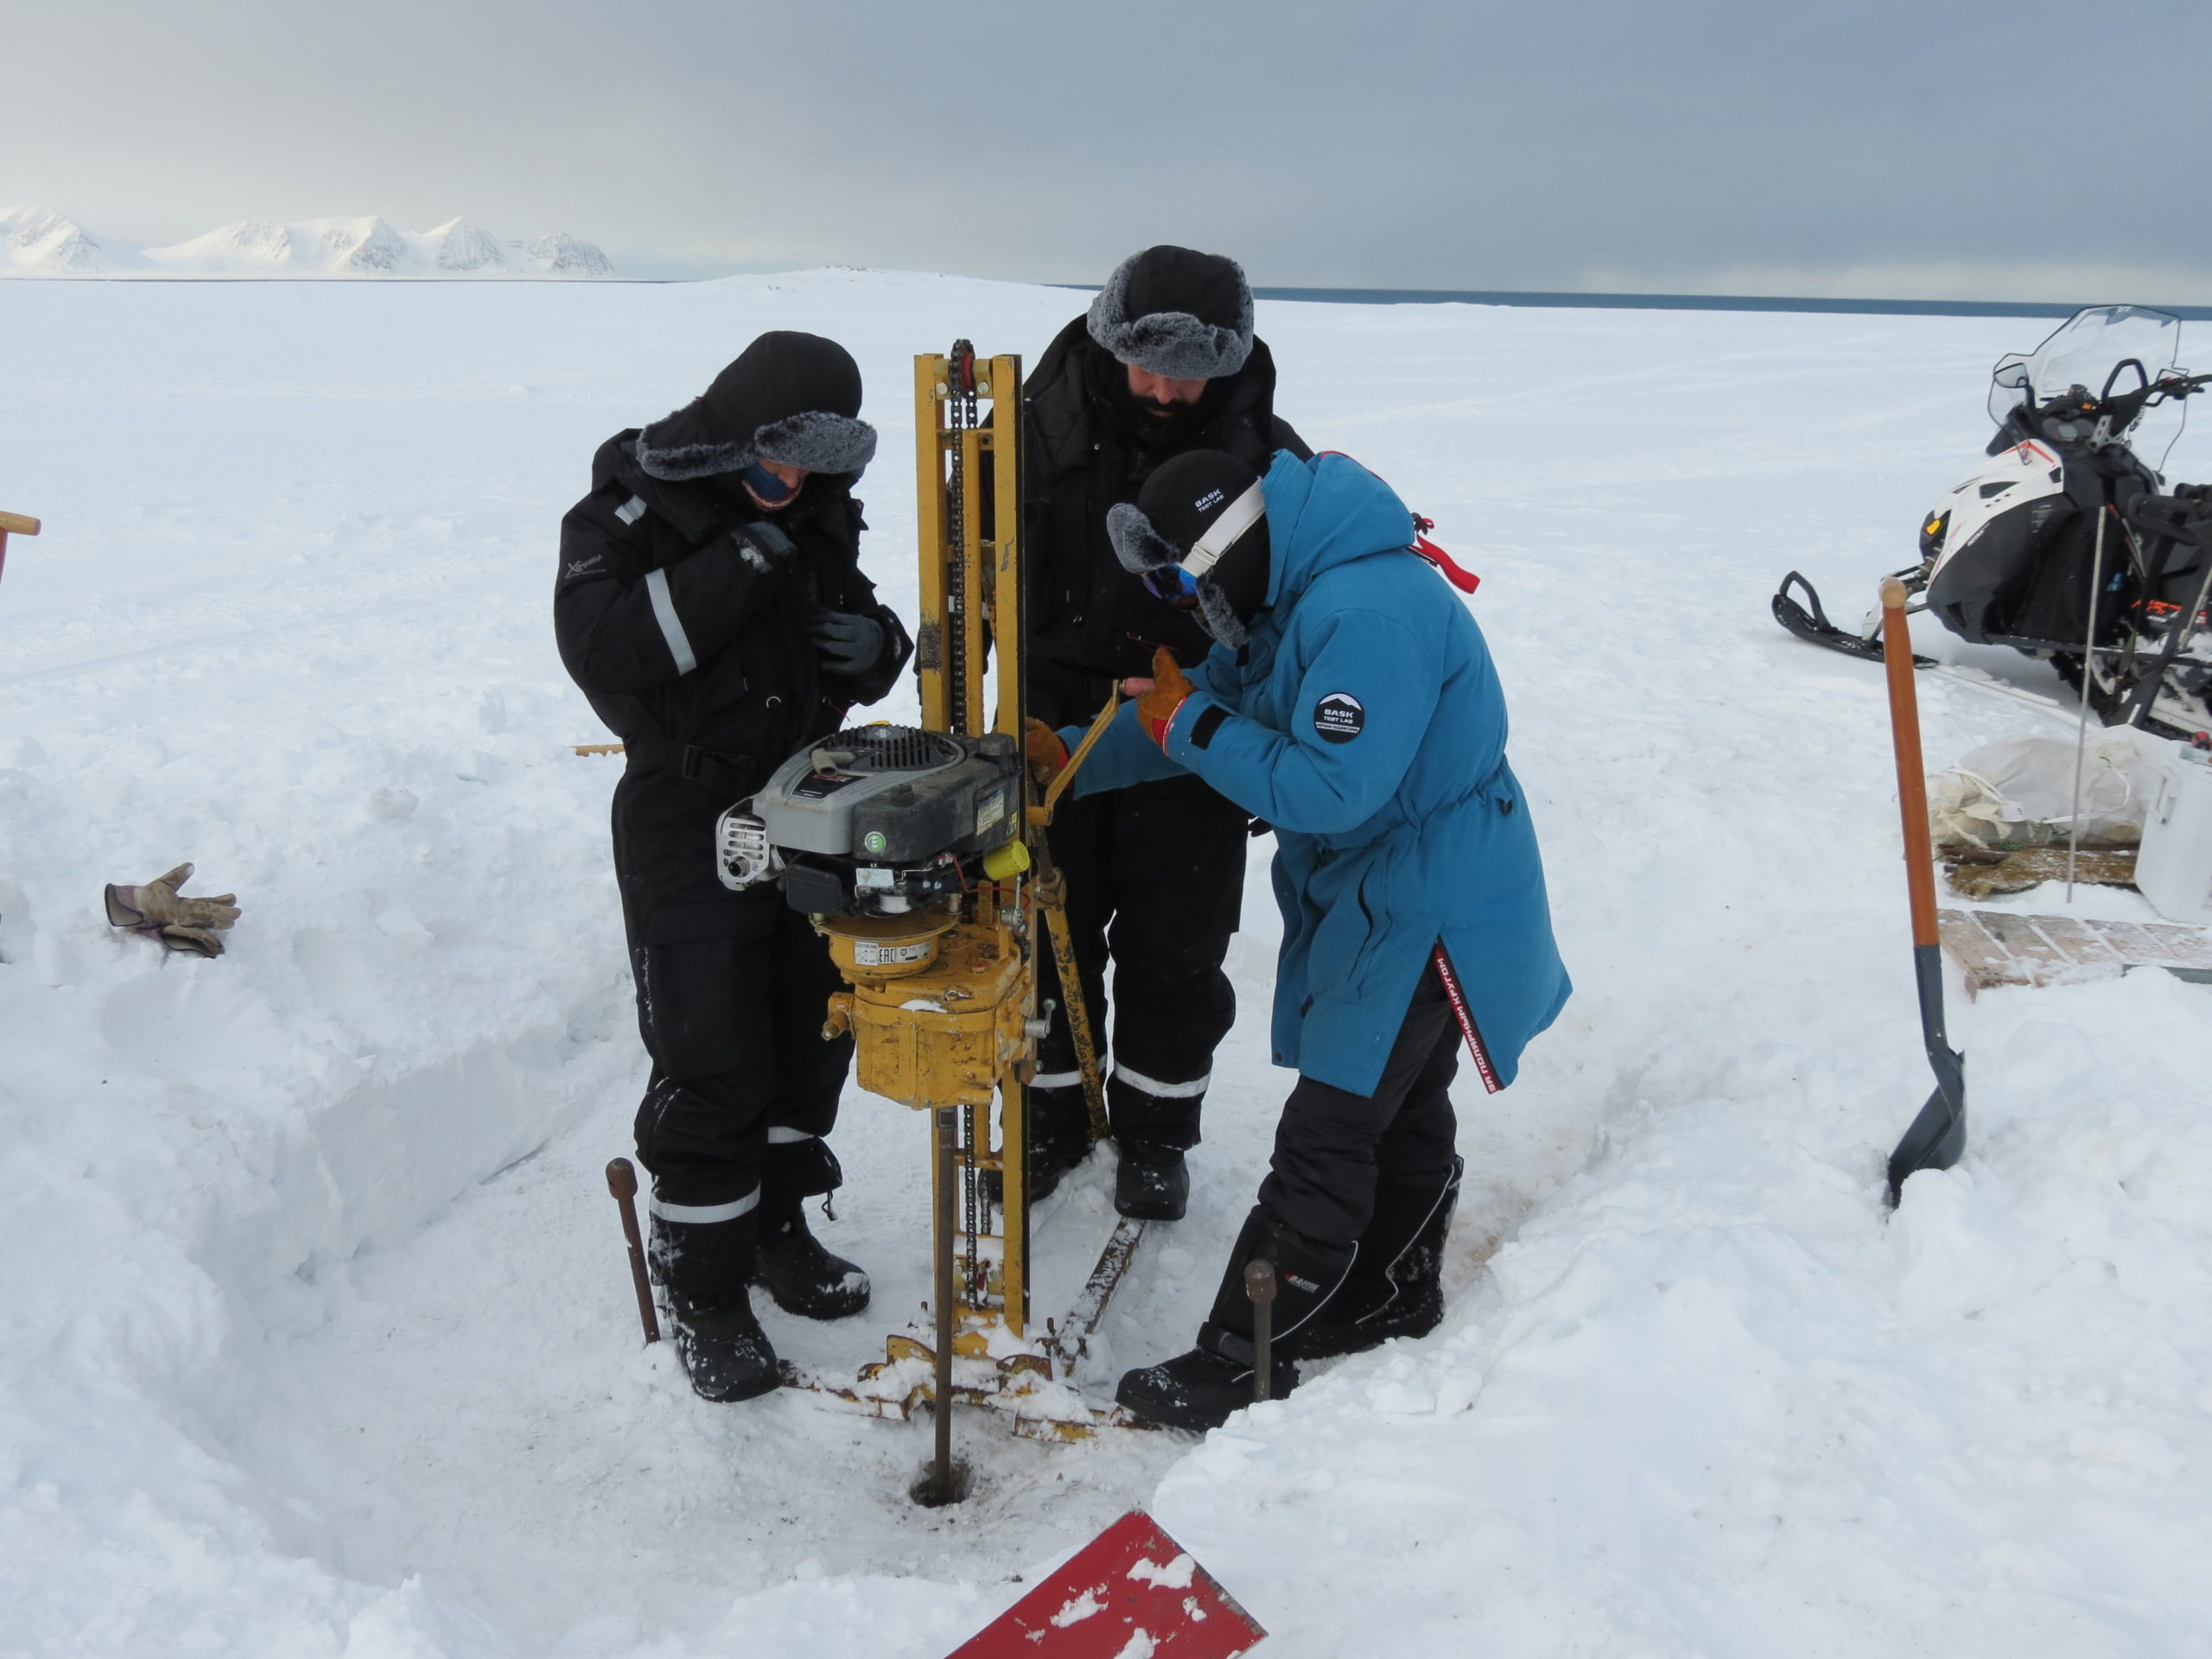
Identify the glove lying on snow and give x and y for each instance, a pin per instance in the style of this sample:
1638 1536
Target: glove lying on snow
849 644
159 911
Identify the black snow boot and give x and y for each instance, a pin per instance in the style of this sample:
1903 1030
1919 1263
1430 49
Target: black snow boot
704 1266
1397 1287
1151 1184
801 1275
1058 1132
725 1352
1199 1389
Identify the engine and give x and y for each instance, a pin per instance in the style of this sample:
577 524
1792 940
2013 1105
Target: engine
876 820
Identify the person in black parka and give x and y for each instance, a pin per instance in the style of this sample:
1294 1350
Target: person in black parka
710 604
1164 362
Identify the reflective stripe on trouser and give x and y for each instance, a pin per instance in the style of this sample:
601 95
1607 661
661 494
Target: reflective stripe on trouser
701 1214
1154 1111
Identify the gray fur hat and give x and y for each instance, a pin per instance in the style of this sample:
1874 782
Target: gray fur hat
1176 312
790 397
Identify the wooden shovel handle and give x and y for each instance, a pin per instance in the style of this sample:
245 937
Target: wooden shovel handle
15 524
1912 778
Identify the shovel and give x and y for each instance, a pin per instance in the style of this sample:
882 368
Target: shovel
1938 1135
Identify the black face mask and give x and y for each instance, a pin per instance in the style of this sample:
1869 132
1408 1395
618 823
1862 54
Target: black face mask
732 486
769 491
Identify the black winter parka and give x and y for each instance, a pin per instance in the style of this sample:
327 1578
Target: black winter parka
682 611
1092 621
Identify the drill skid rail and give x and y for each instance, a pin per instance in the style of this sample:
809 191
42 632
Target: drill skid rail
1030 1382
1019 1387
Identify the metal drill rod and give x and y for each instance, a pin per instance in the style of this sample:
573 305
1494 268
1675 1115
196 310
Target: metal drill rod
948 1322
622 1182
1260 1286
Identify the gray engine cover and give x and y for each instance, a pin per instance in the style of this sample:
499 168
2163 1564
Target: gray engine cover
892 794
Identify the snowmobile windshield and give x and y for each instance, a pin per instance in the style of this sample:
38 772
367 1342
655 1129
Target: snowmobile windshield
2105 349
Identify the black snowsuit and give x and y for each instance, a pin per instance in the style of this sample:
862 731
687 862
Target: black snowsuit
682 611
1155 872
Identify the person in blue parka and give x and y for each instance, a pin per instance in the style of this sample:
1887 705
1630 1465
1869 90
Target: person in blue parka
1351 703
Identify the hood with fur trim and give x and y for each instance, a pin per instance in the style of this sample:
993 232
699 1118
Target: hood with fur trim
789 398
1176 312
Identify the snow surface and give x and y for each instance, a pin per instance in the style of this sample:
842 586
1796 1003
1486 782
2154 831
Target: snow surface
38 242
317 1338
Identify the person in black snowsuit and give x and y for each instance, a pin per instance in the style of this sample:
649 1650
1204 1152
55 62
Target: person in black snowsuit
710 604
1163 363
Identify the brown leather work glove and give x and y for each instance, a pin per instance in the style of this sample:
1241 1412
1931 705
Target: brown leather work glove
1156 706
1042 745
156 910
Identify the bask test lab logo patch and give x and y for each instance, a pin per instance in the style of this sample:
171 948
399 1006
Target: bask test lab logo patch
1338 717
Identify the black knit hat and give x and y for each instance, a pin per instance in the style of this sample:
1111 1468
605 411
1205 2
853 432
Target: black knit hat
789 398
1205 512
1175 312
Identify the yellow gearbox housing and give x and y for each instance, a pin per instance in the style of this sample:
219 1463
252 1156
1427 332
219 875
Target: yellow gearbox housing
934 1032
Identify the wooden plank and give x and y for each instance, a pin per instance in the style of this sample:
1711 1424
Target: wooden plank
2135 947
1985 961
2188 945
2077 942
2025 942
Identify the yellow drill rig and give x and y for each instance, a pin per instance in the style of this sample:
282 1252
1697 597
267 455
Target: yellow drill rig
920 854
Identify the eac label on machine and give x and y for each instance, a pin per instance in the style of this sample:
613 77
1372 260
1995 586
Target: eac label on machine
888 955
1338 717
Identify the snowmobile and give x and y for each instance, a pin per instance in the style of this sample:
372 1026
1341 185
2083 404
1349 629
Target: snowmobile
2067 546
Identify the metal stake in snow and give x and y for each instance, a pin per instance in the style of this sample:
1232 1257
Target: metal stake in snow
1938 1135
14 523
943 1484
1260 1286
2088 686
622 1182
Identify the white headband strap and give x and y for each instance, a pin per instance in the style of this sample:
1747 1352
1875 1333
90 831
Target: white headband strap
1241 515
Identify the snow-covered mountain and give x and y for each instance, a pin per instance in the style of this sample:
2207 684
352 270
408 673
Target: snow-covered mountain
38 242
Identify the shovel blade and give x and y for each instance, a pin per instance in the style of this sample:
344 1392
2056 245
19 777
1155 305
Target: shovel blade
1936 1140
1131 1590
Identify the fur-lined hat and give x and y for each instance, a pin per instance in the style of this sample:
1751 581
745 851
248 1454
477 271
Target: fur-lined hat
790 397
1171 311
1202 517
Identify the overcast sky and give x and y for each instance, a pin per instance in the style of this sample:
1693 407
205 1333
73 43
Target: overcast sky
1949 148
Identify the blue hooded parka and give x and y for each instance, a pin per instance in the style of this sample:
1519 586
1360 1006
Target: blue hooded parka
1363 719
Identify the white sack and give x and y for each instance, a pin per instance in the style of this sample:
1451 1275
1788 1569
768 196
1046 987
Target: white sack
2020 791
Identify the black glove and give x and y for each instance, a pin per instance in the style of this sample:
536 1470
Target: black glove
762 545
849 644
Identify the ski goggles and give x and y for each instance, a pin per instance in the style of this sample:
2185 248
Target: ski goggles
1180 582
1170 582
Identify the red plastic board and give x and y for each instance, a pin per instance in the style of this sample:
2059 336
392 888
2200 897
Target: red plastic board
1131 1592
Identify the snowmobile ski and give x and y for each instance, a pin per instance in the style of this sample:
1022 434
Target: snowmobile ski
1810 623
